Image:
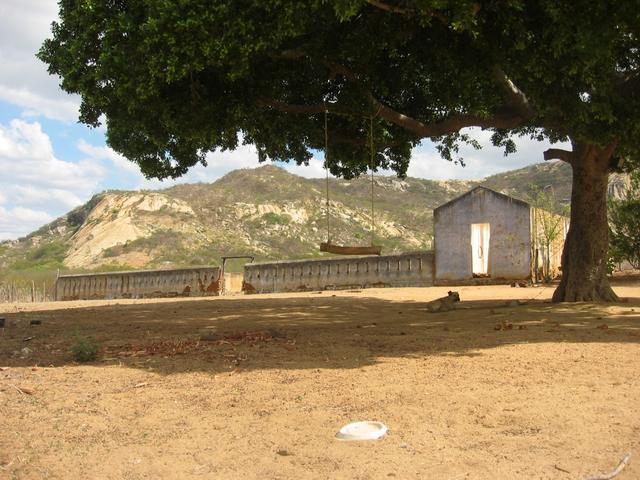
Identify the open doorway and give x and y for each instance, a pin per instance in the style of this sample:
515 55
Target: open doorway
480 234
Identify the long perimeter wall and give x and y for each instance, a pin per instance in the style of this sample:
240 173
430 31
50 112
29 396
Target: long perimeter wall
403 270
201 281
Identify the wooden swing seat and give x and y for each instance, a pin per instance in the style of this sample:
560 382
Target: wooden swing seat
342 250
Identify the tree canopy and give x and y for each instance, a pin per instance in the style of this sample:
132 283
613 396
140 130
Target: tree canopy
176 79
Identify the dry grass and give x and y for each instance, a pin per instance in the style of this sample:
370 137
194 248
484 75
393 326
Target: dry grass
492 390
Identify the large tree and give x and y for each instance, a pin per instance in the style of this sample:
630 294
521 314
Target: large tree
175 79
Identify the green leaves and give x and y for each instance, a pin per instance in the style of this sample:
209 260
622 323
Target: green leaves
176 79
624 225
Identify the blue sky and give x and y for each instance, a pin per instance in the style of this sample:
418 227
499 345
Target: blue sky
51 164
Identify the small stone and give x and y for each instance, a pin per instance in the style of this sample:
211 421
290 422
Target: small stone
25 352
284 453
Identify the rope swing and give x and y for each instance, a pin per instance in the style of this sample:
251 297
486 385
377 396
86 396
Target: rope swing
341 249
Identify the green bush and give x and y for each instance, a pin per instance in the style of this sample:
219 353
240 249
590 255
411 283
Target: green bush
275 219
84 349
624 226
45 257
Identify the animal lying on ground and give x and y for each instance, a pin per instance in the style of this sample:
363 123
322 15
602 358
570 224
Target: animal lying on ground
443 304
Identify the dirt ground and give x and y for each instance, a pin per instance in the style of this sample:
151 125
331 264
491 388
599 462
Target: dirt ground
496 389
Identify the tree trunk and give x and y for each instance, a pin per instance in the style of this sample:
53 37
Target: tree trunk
584 258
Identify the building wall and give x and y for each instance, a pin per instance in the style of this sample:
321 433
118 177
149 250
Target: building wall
404 270
510 238
185 282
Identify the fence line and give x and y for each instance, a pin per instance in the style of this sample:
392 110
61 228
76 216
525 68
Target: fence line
26 292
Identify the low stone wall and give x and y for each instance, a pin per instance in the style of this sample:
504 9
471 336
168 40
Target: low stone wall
403 270
201 281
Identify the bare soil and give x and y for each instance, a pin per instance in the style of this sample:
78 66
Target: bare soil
493 390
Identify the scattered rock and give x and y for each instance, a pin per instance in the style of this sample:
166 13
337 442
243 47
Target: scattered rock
27 339
24 390
25 352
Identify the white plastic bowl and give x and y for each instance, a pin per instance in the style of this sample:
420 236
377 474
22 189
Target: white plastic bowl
362 431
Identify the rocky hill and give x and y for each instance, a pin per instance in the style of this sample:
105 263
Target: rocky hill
267 212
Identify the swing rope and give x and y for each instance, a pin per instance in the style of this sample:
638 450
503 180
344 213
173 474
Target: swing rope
326 169
373 225
328 246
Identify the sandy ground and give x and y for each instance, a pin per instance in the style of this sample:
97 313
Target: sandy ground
492 390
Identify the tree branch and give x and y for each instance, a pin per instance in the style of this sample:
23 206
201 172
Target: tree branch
418 128
514 116
475 8
559 154
387 7
404 11
517 99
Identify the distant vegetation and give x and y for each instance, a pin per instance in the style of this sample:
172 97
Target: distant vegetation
226 220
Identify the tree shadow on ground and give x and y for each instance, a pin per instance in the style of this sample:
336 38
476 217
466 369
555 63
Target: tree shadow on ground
318 331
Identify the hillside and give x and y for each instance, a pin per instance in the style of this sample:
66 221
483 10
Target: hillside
267 212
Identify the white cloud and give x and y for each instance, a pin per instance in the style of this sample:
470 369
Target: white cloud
315 169
30 195
19 221
32 176
26 158
427 163
106 153
24 81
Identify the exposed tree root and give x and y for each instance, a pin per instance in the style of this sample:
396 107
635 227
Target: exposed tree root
586 291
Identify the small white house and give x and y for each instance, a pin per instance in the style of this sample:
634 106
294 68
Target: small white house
487 237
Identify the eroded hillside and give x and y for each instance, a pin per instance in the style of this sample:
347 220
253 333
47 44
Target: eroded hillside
267 212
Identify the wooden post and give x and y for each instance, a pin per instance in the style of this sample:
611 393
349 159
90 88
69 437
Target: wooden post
33 291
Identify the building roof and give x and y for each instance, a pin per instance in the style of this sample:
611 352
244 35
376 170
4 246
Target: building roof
480 187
